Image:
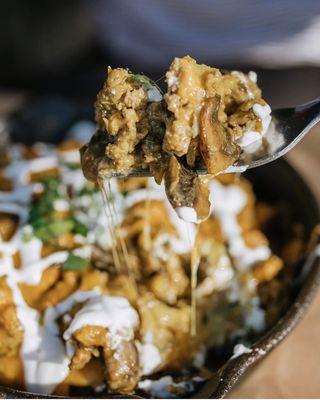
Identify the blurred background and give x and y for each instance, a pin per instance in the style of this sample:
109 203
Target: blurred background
54 54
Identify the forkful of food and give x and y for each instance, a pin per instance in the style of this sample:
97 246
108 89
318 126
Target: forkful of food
208 122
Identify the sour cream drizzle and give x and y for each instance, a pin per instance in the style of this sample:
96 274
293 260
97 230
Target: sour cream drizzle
228 202
111 312
43 353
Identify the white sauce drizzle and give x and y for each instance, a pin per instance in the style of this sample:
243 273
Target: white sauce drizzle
187 214
154 95
250 136
20 170
164 387
20 194
253 76
61 205
228 202
149 357
43 353
114 313
173 80
264 113
15 209
240 349
82 131
186 231
70 156
43 356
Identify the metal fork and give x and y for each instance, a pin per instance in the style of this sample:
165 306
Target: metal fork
287 128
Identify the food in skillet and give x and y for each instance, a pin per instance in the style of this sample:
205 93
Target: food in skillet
205 119
100 298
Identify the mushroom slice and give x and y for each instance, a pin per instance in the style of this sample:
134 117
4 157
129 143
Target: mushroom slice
187 194
216 145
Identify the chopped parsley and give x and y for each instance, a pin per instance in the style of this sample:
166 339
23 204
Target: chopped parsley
72 166
146 82
43 217
75 263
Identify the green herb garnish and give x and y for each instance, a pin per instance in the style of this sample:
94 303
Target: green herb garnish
80 228
54 229
43 217
88 189
146 82
75 263
72 166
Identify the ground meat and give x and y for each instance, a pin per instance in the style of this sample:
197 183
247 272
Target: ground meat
190 87
123 111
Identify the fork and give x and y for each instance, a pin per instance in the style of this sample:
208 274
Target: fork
288 126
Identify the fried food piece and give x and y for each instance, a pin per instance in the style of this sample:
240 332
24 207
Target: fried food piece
122 367
215 269
254 238
61 290
137 215
169 329
121 363
33 293
217 147
146 227
128 184
96 330
184 97
11 372
11 333
48 173
68 145
55 286
186 192
172 283
6 184
268 269
91 375
8 226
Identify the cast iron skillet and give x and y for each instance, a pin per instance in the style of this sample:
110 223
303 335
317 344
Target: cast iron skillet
277 181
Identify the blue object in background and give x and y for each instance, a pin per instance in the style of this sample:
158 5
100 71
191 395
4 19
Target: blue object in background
147 34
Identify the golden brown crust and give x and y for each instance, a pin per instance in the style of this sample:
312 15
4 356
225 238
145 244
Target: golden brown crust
191 88
11 333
